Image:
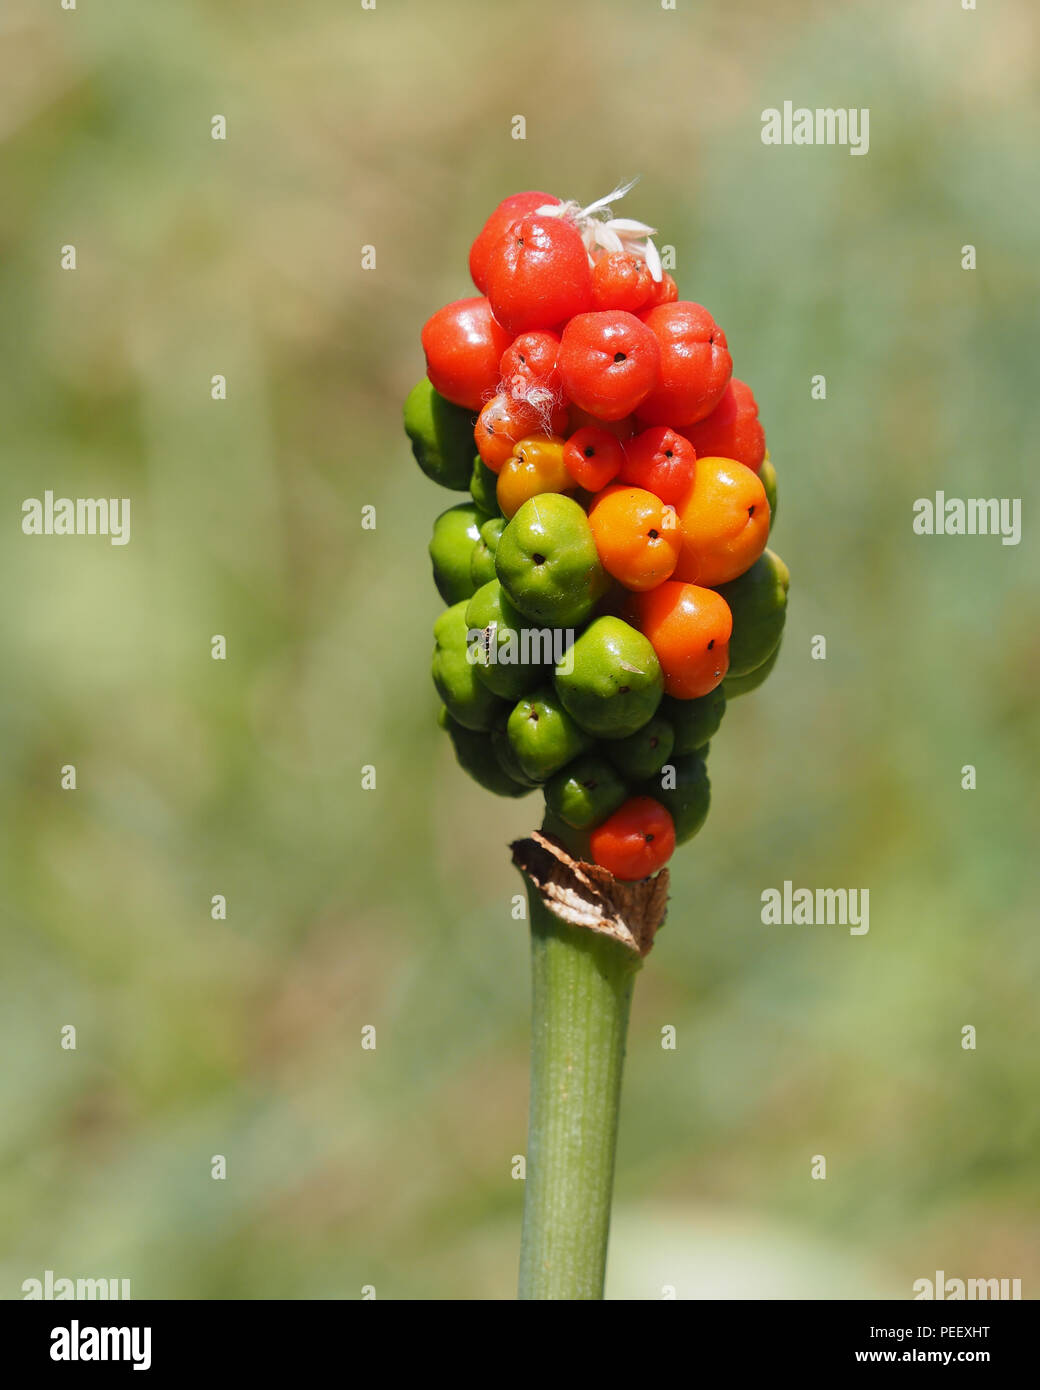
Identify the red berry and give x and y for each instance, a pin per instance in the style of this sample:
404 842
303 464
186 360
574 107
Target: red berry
660 461
621 281
621 429
637 840
510 210
593 458
609 362
732 430
531 361
538 274
695 364
664 291
463 346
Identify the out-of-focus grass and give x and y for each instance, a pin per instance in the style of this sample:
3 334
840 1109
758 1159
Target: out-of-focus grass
392 907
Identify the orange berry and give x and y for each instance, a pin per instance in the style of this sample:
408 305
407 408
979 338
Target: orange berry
536 465
501 425
637 840
637 536
724 521
689 628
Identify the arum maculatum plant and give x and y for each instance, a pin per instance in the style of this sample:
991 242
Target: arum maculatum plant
608 587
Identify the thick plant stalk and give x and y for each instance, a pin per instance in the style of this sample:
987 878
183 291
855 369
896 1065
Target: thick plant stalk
583 976
579 1022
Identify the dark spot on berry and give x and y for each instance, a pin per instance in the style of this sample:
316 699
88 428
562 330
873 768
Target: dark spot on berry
668 453
652 534
654 741
533 716
590 451
751 511
649 839
538 559
623 689
619 357
711 644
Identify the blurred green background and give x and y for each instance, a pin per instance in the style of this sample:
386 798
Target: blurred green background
391 907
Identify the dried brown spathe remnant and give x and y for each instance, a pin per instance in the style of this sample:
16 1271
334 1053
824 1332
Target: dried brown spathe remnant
585 895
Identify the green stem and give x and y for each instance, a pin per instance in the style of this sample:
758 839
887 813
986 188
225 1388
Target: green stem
582 991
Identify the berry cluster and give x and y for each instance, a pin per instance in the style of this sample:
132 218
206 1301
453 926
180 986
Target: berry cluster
609 583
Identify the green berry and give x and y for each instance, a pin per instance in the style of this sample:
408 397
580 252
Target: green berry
743 685
455 536
585 792
610 680
503 750
441 435
758 602
767 477
576 842
543 735
504 644
482 561
468 700
645 752
694 721
548 562
475 754
683 789
482 485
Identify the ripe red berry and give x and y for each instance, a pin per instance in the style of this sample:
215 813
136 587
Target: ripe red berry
530 362
664 291
637 840
621 281
621 429
593 457
732 430
510 210
695 364
538 274
463 346
662 462
609 362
